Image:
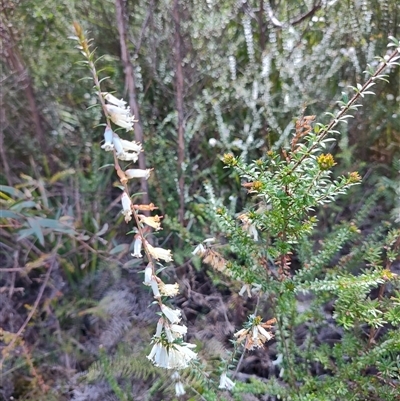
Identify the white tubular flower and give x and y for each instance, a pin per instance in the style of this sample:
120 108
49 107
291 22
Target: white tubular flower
199 250
179 389
264 332
120 149
117 144
169 290
248 226
126 123
125 156
181 355
113 100
171 356
131 146
138 173
174 331
168 334
255 333
148 274
159 355
251 229
177 330
154 287
175 376
137 249
152 221
160 325
245 288
241 334
120 111
173 315
159 253
126 207
108 140
120 116
225 382
256 288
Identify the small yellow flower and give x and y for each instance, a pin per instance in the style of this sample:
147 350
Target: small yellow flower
354 177
257 186
152 221
325 162
168 290
150 207
229 159
159 253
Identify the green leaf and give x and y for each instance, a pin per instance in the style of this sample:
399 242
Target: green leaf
37 229
15 193
8 214
19 206
122 248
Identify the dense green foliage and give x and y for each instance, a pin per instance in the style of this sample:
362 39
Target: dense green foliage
316 251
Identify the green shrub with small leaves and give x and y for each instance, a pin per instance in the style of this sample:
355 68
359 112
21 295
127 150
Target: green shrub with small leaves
295 279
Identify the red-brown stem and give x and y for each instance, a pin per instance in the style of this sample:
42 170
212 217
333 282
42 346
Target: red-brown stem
373 331
179 108
345 109
130 80
84 43
17 66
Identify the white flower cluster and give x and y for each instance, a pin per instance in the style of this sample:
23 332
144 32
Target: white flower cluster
171 355
249 289
169 350
256 333
155 252
159 288
179 389
124 150
119 113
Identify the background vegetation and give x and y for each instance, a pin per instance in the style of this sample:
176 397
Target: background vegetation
209 78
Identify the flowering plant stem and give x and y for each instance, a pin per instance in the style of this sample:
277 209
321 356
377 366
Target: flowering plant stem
360 92
169 351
